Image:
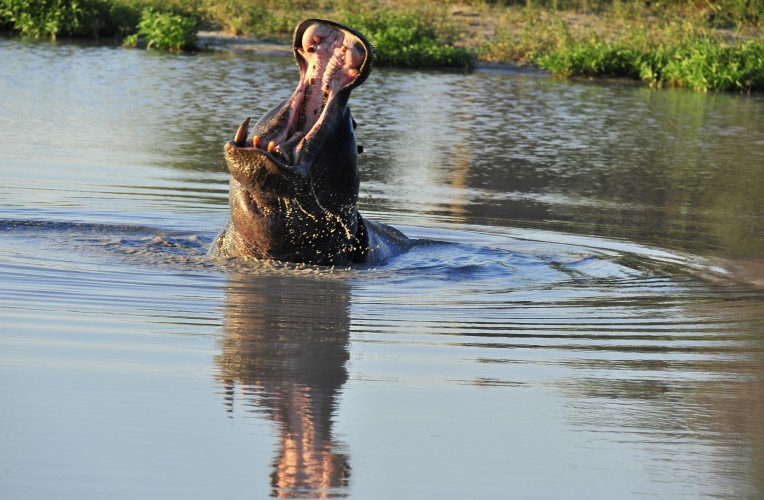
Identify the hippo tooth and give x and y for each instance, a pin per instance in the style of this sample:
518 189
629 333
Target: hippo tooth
241 135
256 141
282 153
271 146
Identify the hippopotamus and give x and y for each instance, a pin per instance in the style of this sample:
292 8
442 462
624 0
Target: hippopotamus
294 180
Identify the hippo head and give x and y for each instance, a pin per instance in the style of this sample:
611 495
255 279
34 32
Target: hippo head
295 179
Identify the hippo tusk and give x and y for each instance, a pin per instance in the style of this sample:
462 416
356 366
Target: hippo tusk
241 135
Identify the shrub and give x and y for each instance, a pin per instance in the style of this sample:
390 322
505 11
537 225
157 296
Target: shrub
701 64
406 40
165 31
708 65
66 17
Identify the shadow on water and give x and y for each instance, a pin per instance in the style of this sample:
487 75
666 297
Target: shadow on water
284 355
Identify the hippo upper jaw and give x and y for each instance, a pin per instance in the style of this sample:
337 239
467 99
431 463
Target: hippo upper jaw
332 60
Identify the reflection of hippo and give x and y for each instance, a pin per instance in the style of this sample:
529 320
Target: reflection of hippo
294 183
284 356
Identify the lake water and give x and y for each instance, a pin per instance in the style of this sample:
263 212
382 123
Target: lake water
582 318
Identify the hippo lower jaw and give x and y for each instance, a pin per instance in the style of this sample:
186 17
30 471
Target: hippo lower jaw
294 182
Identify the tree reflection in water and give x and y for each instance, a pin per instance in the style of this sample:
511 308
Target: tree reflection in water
284 350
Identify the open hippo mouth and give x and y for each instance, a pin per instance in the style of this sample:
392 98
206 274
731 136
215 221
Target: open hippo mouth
295 181
332 59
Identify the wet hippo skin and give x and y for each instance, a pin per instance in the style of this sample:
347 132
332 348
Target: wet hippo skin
294 180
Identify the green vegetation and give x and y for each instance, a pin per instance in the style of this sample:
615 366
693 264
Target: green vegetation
407 40
403 35
50 18
698 44
673 46
164 31
704 64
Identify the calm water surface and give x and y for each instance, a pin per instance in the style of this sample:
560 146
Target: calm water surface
583 316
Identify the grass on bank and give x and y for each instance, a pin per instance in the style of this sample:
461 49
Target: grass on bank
698 44
84 18
401 38
702 65
679 48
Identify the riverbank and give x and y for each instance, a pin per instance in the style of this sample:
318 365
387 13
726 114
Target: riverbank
702 46
222 41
